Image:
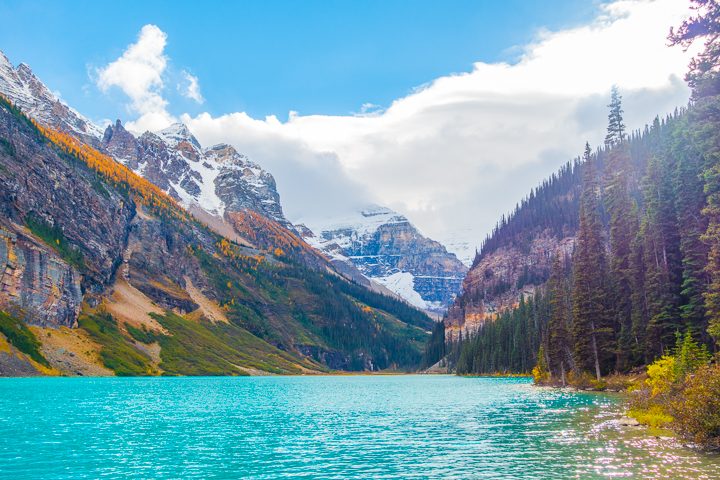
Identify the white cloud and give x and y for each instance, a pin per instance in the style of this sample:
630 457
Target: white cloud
139 74
191 87
458 152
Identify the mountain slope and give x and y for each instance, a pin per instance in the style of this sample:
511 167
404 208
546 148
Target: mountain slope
516 258
29 94
152 279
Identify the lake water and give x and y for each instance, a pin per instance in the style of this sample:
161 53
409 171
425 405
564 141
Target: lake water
323 427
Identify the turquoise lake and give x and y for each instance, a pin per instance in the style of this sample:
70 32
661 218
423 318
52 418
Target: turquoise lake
324 427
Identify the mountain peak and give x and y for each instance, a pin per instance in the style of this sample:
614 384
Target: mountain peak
388 249
177 133
25 68
4 61
226 154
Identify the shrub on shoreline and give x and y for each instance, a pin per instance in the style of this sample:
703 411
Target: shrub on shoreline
682 391
696 410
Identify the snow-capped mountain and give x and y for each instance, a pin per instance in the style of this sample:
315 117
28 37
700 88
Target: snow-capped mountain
217 179
387 248
29 94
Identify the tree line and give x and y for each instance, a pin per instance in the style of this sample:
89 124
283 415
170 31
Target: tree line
645 268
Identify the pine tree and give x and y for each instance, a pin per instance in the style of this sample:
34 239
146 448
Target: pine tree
639 316
616 127
619 206
689 202
591 334
703 76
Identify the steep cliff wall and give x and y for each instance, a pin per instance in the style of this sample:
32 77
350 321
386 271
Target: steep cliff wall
35 283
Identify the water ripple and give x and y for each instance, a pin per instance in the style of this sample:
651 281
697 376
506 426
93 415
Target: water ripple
323 427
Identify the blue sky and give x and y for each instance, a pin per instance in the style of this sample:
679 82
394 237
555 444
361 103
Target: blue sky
270 57
479 100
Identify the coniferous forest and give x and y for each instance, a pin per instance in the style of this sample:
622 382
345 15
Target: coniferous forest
646 261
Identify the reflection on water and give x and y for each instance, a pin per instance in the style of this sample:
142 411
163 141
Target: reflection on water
327 427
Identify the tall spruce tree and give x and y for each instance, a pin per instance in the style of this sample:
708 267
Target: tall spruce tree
689 202
638 353
619 206
591 332
616 127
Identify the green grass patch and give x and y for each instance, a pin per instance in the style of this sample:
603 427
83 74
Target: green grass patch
53 236
141 334
117 353
21 337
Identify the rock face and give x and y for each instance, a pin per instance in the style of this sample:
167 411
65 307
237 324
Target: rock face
242 185
498 280
36 283
29 94
64 200
387 248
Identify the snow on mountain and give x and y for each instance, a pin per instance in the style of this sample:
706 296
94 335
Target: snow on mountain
216 179
349 232
28 93
387 248
463 249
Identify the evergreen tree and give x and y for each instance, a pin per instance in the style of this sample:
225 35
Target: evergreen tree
689 202
616 127
591 333
638 354
619 206
703 76
663 264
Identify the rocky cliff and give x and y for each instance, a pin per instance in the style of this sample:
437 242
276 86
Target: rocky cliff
35 282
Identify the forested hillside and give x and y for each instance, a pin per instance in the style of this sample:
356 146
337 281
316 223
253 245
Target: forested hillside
644 268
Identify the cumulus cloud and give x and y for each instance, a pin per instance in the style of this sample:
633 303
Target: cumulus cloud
139 74
190 88
458 152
